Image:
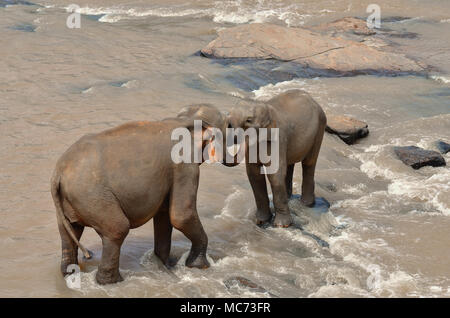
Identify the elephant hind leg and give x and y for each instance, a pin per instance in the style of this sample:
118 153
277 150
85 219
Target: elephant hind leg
69 247
308 171
112 231
163 232
289 176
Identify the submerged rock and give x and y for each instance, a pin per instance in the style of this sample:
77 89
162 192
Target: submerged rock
321 205
347 128
314 222
329 186
355 26
308 49
25 27
417 157
442 146
4 3
243 283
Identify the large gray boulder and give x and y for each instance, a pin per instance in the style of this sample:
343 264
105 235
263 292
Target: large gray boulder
308 48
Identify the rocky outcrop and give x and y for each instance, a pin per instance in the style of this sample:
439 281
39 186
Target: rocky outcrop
442 146
347 128
417 157
307 48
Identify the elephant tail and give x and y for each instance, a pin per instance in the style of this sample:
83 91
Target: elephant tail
55 187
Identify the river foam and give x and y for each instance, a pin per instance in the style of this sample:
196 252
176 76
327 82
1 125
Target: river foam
232 12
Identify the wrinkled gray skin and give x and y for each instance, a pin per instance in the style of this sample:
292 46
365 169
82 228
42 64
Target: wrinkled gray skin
301 122
119 179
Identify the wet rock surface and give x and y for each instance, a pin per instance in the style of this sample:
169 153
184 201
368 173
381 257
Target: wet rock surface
442 146
417 157
307 48
243 282
347 128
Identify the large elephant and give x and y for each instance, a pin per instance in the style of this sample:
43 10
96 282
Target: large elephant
301 123
120 178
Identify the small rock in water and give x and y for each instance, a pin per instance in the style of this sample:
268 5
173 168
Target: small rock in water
243 282
347 128
442 146
417 157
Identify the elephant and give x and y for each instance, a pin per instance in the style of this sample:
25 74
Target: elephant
301 123
119 179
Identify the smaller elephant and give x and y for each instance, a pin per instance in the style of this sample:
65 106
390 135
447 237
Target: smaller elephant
121 178
301 123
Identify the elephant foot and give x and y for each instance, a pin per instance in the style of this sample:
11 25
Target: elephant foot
198 261
308 201
263 217
64 269
67 260
282 220
104 277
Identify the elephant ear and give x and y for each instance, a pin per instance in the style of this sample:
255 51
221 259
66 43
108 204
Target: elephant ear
259 117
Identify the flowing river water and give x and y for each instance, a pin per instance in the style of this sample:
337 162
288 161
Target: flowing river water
387 231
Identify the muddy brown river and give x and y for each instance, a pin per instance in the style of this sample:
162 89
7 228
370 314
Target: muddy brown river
387 230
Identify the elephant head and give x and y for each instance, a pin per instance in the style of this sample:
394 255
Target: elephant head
211 118
256 120
255 116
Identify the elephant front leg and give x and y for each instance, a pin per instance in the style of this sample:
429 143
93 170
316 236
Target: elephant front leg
259 187
184 216
308 197
187 222
283 216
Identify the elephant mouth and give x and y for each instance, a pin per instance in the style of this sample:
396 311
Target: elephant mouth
232 150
